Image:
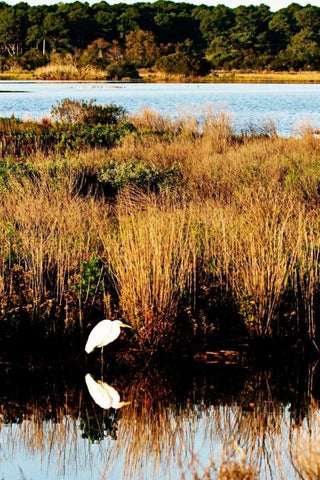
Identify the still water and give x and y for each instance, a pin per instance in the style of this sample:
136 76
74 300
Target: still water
51 426
249 104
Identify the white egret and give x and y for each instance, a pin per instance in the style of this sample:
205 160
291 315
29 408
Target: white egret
104 333
103 394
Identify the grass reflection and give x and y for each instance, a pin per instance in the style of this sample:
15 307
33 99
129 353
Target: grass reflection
193 421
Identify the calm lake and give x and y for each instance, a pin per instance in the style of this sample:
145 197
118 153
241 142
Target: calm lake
249 104
175 424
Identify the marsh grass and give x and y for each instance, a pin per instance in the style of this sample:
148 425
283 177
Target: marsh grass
67 71
265 77
53 232
152 260
195 212
264 239
306 276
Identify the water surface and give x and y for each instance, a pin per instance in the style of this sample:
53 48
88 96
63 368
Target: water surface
176 423
249 104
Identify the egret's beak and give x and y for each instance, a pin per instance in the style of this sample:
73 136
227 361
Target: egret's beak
123 404
124 325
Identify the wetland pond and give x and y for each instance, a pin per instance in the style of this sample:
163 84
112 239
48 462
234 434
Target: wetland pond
180 419
250 105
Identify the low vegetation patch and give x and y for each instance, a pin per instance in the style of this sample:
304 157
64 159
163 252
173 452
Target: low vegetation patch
74 126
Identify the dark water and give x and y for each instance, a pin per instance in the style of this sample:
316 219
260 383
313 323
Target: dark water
180 417
249 104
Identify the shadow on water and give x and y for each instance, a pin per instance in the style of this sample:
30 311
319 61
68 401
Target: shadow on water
155 420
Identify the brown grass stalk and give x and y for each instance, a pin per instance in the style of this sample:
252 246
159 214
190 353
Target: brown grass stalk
63 71
152 259
56 232
264 237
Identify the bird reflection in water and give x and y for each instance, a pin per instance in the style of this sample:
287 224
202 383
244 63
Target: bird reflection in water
103 394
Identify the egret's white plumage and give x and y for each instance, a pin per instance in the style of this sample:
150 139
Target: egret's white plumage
103 394
104 333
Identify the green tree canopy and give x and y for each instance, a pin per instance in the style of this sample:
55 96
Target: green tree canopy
137 34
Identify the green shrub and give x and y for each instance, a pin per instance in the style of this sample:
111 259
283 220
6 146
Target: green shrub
180 64
20 139
33 59
186 61
89 278
82 136
17 170
122 69
73 111
116 175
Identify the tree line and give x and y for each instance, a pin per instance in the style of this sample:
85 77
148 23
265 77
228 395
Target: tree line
172 37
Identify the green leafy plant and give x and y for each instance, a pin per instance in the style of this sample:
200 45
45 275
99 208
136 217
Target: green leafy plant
73 111
116 175
90 278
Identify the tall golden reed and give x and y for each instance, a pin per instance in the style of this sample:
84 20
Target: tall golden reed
55 232
151 254
264 239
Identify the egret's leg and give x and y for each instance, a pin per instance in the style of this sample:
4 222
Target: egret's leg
102 363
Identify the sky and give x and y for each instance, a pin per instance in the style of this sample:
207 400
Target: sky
273 4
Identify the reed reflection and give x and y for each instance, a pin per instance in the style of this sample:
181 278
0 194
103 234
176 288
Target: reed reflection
178 420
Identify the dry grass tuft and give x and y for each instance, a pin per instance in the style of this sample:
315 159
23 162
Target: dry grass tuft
65 71
54 232
152 259
264 238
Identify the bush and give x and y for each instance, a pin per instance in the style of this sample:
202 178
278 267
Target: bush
122 69
84 136
20 139
185 61
73 111
33 59
17 170
116 175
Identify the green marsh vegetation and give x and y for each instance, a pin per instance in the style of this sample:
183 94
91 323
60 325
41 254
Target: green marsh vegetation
184 228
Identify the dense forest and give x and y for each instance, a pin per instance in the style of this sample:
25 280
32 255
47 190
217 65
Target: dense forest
171 37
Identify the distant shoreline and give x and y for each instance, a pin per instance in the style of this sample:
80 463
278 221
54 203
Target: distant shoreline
237 76
150 76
